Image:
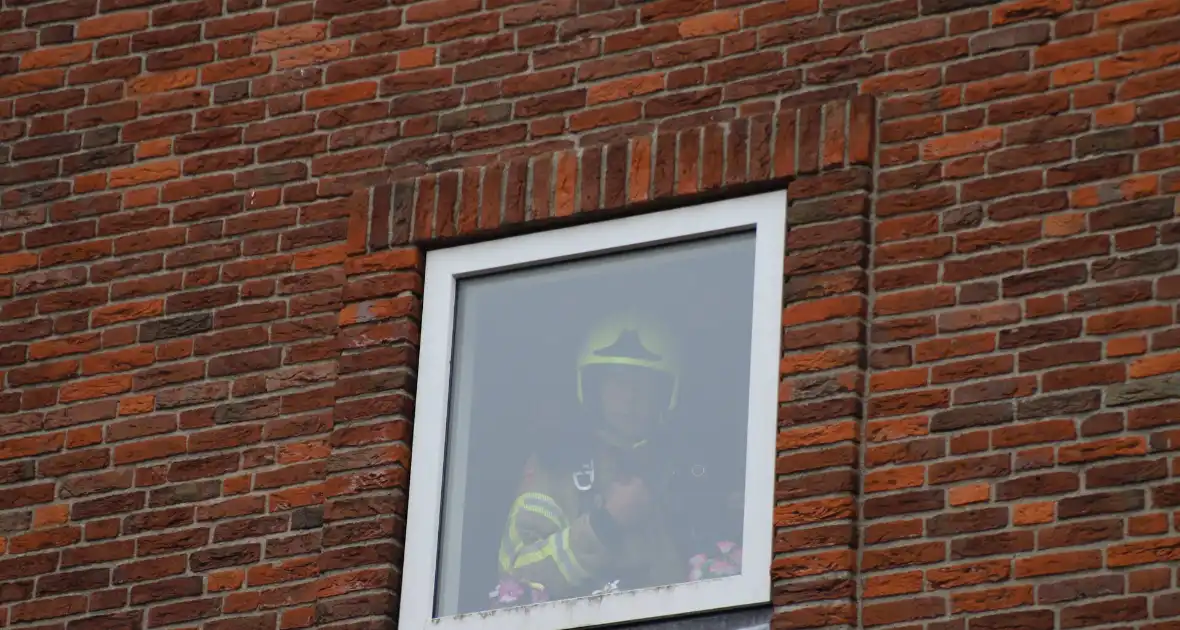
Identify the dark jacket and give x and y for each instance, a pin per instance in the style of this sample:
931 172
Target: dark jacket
560 539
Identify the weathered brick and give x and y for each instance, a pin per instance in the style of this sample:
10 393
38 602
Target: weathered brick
1022 375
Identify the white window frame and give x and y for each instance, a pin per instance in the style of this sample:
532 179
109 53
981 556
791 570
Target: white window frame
766 214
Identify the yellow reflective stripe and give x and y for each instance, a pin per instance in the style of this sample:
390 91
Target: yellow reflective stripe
553 518
573 558
539 498
505 559
554 551
513 534
542 504
536 503
657 364
548 551
557 549
516 554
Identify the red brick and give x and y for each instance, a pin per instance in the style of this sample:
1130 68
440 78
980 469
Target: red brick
148 173
1136 12
1057 563
625 88
1132 319
181 246
119 360
1155 365
287 36
911 609
911 301
55 56
114 24
94 388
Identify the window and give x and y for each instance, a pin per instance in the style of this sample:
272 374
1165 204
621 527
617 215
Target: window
595 433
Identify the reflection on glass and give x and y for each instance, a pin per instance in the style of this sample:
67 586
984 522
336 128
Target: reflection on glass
597 426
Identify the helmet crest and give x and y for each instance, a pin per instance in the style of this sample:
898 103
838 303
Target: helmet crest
628 346
633 341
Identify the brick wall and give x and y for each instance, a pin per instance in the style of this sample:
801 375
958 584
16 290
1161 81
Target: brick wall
211 215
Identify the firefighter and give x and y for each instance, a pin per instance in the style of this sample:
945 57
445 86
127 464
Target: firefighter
590 514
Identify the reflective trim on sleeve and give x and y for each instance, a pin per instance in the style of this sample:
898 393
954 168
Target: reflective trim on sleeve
505 558
531 503
555 548
543 505
534 503
572 557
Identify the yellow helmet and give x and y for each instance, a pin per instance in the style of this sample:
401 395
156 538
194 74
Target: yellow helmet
633 340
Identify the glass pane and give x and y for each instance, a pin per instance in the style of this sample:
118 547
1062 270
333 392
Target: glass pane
597 426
